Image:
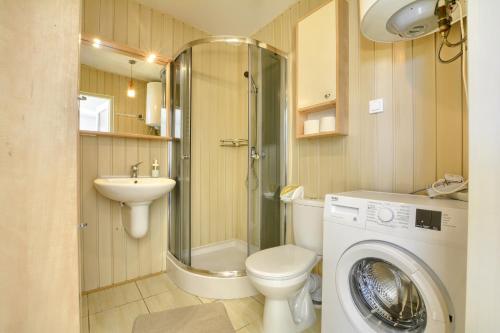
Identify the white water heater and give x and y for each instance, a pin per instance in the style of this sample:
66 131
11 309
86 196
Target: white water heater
154 97
396 20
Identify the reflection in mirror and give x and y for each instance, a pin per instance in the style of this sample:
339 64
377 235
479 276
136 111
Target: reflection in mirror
120 93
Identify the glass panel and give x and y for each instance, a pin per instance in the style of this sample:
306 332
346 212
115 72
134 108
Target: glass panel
180 163
219 157
271 147
95 112
381 289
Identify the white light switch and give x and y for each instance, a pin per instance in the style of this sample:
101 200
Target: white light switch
376 105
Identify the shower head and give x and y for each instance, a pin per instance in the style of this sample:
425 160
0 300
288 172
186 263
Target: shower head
254 86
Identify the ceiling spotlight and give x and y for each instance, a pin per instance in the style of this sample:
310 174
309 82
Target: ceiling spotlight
151 57
96 43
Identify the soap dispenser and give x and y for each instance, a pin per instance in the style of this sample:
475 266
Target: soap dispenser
155 170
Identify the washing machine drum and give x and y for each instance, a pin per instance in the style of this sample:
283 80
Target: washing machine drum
384 288
381 289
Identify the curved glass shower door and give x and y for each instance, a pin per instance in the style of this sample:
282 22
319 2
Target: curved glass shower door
228 156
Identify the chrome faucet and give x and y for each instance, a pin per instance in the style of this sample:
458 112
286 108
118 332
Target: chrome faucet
133 169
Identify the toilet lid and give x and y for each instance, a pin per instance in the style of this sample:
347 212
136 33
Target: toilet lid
281 262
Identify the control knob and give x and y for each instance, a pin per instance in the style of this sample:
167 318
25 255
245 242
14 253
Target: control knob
385 214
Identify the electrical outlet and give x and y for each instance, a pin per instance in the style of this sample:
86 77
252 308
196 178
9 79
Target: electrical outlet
376 105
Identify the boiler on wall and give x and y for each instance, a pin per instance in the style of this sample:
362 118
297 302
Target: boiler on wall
154 98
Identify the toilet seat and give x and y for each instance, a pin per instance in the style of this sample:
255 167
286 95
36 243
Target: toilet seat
281 262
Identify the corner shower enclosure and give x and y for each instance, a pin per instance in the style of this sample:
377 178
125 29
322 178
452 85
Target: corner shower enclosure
228 156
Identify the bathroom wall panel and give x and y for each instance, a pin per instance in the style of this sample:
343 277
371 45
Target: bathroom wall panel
109 254
99 82
421 134
136 25
219 111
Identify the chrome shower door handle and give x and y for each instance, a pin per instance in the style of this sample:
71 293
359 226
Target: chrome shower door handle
253 154
185 157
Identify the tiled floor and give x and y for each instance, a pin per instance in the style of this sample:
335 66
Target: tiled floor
115 309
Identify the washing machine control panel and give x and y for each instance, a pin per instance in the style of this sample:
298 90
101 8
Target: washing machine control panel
388 214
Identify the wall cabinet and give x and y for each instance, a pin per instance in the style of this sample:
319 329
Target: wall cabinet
322 67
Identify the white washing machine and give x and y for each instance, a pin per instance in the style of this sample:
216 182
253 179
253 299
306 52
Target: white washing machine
393 263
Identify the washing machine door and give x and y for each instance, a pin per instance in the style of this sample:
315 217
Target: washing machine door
384 288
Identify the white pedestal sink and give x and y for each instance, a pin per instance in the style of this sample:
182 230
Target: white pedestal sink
137 194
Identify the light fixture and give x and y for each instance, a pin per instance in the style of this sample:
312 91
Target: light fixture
96 43
131 88
151 57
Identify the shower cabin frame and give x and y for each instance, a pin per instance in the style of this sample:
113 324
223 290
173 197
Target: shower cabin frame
284 138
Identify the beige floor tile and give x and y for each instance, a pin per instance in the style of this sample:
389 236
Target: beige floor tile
206 300
250 328
244 311
84 324
155 285
84 309
117 320
260 298
175 298
113 297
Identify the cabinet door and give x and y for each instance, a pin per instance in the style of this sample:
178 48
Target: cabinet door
316 57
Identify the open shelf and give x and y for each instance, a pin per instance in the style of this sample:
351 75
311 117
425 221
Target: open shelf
320 135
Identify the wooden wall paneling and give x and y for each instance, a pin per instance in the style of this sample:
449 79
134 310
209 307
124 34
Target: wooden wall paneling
105 226
178 37
384 147
39 166
353 158
119 234
156 32
368 169
167 41
145 31
144 244
399 150
132 249
88 145
106 19
160 262
120 21
403 105
449 111
133 24
91 16
424 64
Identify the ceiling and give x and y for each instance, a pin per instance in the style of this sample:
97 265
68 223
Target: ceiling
223 17
112 62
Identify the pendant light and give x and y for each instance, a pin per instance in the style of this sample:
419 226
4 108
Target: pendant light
131 88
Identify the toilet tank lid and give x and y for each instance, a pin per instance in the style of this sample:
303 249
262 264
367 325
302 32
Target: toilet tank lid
309 202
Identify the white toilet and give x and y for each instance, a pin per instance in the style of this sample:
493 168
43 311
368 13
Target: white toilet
281 271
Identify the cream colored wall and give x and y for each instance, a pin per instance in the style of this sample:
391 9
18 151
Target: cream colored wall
95 81
483 269
420 135
109 254
38 166
138 26
219 111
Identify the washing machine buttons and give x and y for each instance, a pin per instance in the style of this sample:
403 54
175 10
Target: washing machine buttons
385 214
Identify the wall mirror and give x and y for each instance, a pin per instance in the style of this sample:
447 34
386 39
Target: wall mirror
122 91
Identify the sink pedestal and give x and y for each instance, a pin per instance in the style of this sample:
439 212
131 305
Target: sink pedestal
135 218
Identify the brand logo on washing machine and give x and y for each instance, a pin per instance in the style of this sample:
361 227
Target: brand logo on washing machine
334 198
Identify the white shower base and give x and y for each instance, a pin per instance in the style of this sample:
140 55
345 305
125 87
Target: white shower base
220 257
223 257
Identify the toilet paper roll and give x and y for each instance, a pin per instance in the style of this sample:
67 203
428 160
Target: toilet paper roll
311 126
327 124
